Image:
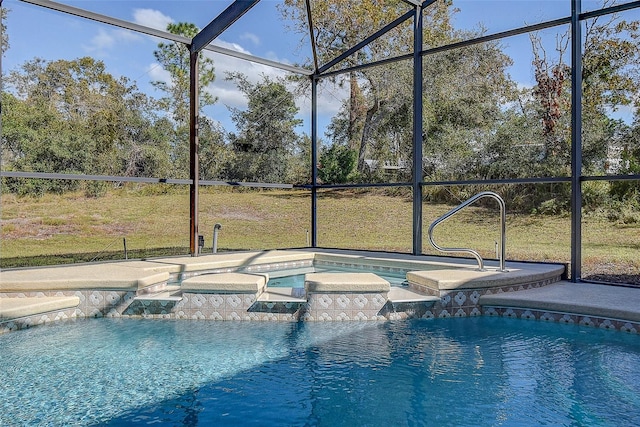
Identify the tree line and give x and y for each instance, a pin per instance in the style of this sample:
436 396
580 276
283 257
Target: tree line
72 116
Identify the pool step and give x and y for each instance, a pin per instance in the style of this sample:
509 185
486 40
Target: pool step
168 293
402 295
14 308
283 294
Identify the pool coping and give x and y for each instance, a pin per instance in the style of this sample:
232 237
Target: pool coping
491 277
15 308
344 282
465 293
586 299
226 282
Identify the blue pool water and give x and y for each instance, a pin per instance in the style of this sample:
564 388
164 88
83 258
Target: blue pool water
294 278
458 372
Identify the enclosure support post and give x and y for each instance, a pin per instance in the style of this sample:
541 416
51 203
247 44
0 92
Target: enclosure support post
576 141
1 91
417 132
314 161
194 168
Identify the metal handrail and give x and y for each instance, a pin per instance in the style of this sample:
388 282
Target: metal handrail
476 255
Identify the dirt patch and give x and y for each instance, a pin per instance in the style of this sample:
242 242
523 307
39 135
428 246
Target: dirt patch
35 228
623 273
44 228
623 279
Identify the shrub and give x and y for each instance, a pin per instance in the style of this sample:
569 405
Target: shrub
337 164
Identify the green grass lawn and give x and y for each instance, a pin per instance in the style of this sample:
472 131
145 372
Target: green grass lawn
48 229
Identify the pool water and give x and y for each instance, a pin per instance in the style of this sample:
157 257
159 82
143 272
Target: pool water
294 278
478 371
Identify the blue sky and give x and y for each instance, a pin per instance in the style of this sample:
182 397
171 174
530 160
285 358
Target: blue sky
38 32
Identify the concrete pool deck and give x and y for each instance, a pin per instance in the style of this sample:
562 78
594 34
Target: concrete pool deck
589 299
447 288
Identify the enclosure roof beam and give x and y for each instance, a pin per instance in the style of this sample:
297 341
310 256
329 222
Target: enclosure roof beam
312 40
457 45
609 10
375 35
366 41
223 21
279 65
162 34
83 13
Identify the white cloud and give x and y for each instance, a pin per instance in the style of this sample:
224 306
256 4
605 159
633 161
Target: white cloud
330 95
330 98
103 40
226 91
231 46
106 40
157 73
151 18
251 37
228 95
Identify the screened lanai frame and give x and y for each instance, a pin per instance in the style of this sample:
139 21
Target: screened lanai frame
415 8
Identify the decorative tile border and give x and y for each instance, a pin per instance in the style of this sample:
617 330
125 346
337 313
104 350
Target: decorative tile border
403 311
58 316
344 306
552 316
320 307
464 302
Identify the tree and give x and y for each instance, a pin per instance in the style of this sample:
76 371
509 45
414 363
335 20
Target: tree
464 89
465 93
266 135
36 138
299 162
610 78
387 126
533 139
145 154
214 154
341 24
4 42
630 164
552 97
337 164
75 117
175 59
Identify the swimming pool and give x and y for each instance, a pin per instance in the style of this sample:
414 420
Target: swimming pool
468 371
231 286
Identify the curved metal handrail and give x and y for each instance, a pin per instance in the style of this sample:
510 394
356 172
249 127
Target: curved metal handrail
476 255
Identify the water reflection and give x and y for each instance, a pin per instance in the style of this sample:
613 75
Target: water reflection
475 371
